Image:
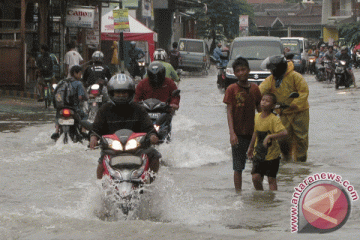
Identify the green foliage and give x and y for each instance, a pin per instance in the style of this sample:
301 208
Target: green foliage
350 32
221 21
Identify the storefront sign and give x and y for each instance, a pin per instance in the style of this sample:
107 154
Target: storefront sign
121 20
80 17
130 3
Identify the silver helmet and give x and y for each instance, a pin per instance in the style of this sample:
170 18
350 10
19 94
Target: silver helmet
121 82
160 54
97 56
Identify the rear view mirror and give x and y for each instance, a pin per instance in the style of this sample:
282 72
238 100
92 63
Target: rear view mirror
175 93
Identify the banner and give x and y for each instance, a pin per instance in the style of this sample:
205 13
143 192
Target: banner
130 4
147 8
121 20
80 17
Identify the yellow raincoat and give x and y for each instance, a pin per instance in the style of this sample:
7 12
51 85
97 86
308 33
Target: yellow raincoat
295 121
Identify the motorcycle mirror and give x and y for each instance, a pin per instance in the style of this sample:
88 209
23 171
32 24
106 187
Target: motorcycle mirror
175 93
294 95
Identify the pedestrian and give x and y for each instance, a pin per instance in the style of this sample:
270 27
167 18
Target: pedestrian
114 66
242 98
174 56
264 149
45 71
72 58
282 82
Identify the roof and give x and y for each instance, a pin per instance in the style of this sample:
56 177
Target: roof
256 38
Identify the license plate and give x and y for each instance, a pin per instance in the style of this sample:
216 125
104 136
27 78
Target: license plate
154 115
97 99
70 121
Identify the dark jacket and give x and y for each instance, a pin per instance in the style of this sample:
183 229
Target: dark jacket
111 118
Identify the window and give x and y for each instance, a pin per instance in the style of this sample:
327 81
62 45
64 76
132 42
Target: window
255 50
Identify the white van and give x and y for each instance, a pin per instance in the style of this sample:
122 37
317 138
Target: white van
304 47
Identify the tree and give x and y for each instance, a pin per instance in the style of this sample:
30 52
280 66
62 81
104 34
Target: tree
220 19
350 33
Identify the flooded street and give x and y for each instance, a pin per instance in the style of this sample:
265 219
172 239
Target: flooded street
49 190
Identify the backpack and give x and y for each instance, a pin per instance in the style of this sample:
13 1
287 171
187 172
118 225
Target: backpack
46 66
64 94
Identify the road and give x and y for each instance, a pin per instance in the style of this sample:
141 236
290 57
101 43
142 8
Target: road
49 191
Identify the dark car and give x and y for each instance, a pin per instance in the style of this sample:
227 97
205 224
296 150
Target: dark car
255 50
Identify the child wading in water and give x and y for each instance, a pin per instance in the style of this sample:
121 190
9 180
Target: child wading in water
266 153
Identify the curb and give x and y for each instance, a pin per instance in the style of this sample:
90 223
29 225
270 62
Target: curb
16 93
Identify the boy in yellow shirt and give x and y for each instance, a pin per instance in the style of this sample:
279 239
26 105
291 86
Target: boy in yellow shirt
266 154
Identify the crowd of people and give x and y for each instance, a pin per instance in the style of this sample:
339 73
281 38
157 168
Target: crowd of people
265 137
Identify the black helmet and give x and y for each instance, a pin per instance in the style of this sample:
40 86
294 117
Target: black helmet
276 64
121 82
156 74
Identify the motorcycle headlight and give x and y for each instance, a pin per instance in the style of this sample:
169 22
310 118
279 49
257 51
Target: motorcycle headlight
342 62
157 128
114 144
230 71
133 143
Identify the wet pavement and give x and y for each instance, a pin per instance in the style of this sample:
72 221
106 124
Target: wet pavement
16 113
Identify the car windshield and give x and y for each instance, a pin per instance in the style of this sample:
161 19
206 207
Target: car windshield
191 46
255 50
294 46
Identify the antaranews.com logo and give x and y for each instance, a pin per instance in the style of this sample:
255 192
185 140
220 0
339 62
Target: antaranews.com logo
321 203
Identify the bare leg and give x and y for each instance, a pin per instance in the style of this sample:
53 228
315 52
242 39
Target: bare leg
272 183
257 181
99 171
237 180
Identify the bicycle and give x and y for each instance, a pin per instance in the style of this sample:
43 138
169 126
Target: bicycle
48 96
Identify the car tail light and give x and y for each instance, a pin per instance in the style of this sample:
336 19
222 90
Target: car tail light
66 112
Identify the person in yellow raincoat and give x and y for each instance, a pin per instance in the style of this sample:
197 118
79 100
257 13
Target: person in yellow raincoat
114 60
282 82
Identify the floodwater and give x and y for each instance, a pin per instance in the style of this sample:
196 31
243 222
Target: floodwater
49 190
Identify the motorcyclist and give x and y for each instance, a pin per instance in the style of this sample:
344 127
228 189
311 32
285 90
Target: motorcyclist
160 56
344 55
98 73
283 81
77 99
123 113
218 54
158 86
135 54
97 70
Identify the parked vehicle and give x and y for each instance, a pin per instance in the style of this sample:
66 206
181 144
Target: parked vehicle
161 116
303 44
255 50
195 55
342 77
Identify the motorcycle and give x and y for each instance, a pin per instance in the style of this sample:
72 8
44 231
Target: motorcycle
312 62
94 102
342 77
126 167
357 59
69 125
142 67
329 70
221 66
159 113
320 70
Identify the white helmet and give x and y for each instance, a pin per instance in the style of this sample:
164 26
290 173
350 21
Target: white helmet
160 54
98 56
